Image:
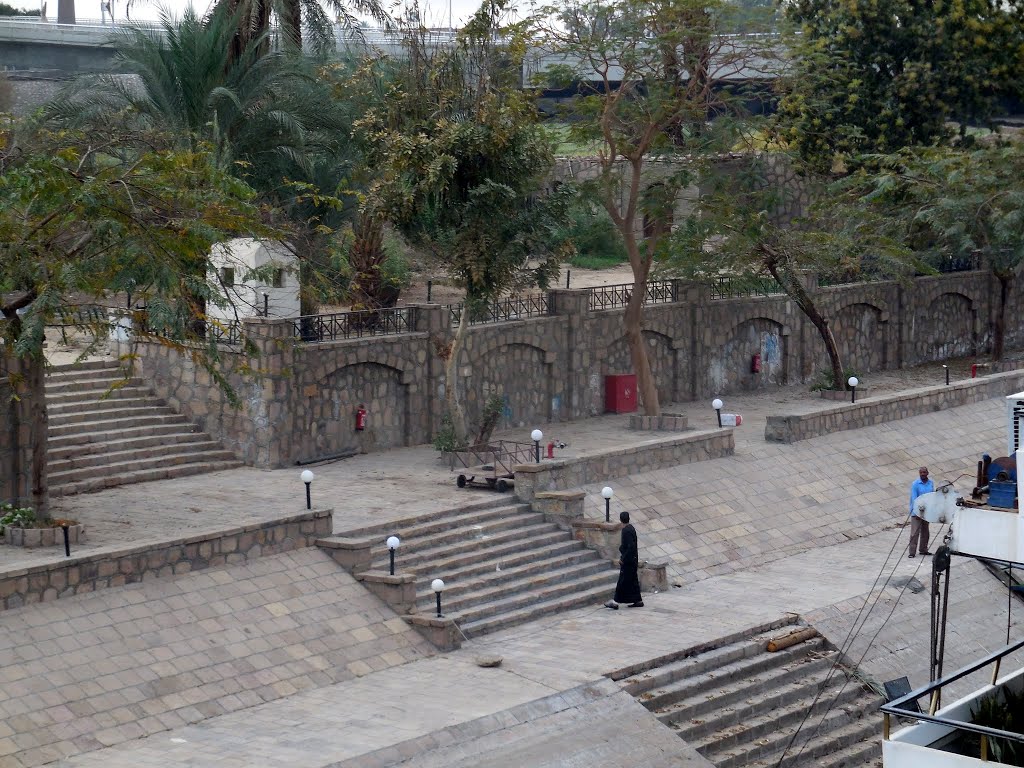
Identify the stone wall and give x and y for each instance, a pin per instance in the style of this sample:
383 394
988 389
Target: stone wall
88 573
551 368
881 410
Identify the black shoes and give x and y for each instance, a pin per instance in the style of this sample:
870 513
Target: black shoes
638 604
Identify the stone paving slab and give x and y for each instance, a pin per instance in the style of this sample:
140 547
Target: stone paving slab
96 670
405 704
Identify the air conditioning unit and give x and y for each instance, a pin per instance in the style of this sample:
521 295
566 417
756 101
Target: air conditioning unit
1015 422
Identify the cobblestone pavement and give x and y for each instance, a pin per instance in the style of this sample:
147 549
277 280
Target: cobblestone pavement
817 520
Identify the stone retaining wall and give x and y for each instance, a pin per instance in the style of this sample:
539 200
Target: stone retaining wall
566 474
551 368
879 410
75 575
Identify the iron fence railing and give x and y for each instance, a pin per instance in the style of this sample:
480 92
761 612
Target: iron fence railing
742 286
83 314
614 296
508 308
967 262
224 331
349 325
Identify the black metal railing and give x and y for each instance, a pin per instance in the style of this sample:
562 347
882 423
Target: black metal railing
502 310
905 706
83 314
967 262
614 296
224 331
742 286
354 325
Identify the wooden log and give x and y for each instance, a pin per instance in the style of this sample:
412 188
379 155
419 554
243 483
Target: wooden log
799 636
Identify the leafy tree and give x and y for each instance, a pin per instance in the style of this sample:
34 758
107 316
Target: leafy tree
270 118
737 230
944 203
9 10
460 163
649 74
297 19
879 76
83 216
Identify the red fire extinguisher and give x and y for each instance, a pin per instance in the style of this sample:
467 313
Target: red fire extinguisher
755 363
360 418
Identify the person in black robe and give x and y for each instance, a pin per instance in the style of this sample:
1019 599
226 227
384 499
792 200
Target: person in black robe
627 590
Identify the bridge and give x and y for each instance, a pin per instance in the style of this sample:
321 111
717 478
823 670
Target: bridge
89 44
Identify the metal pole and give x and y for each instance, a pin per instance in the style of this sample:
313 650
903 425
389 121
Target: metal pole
607 510
567 273
438 596
67 542
853 394
266 305
430 288
718 411
536 450
309 499
392 553
947 374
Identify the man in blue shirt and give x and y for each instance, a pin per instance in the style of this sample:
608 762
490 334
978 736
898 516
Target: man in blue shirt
918 525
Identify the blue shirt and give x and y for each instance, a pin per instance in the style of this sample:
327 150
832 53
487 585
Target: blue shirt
919 488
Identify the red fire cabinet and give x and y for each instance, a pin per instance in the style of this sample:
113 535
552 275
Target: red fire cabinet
620 393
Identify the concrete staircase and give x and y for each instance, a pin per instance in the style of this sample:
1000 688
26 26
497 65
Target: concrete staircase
102 437
739 705
501 563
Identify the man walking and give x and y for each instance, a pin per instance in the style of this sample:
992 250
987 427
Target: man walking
918 525
628 588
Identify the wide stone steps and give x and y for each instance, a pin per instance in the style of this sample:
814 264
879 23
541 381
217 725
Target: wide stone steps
739 705
108 454
491 590
501 563
98 483
105 431
513 566
479 531
597 592
474 549
730 685
131 438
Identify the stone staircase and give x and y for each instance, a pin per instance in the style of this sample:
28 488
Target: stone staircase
739 705
501 563
102 437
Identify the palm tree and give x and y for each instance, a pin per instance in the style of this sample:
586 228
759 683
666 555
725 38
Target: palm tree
297 16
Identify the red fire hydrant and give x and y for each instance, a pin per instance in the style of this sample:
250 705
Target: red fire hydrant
551 450
360 418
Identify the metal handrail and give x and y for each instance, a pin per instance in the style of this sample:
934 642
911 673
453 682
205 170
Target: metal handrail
900 707
503 310
348 325
743 286
613 296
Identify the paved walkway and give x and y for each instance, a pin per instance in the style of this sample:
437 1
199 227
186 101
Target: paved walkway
805 528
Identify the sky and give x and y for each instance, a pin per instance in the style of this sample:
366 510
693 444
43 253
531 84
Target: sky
436 11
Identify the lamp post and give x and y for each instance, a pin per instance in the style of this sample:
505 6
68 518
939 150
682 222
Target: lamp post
536 436
438 586
853 381
717 405
266 304
946 369
307 478
607 493
392 543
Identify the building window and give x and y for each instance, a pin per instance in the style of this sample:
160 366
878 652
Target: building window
227 276
278 281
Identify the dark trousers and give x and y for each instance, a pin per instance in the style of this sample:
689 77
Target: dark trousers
918 531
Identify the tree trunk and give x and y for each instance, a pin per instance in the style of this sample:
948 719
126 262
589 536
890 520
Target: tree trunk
645 385
33 405
451 388
368 290
999 327
795 290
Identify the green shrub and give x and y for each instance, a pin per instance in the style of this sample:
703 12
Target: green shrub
445 440
16 517
598 243
823 379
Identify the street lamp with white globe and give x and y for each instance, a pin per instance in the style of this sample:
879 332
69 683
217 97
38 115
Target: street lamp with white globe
536 436
307 478
717 404
853 381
